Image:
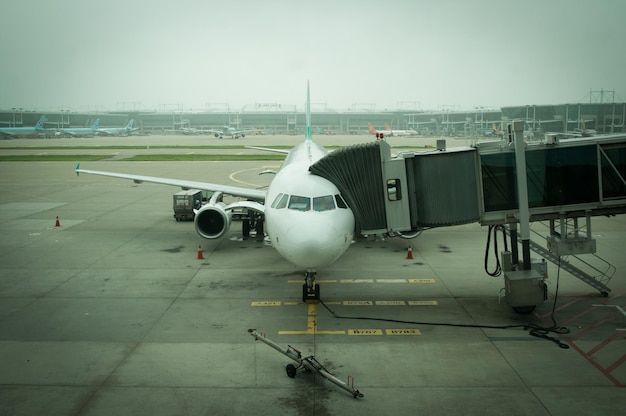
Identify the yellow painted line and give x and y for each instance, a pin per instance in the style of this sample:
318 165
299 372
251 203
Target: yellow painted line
356 281
390 303
316 332
190 153
391 281
423 303
365 332
267 303
358 303
423 281
403 332
316 281
292 303
311 309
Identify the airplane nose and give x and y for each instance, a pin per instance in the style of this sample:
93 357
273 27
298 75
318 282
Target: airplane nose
313 245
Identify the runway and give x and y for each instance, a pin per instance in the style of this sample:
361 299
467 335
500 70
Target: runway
113 313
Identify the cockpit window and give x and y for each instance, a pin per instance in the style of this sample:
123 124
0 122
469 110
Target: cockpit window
301 203
283 202
276 200
340 202
323 203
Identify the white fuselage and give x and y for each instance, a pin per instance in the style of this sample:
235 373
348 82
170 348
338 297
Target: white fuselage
308 235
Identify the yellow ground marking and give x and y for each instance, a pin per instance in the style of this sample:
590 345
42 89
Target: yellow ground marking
421 281
390 303
311 325
232 177
316 281
392 281
423 303
365 332
356 281
358 303
403 332
267 303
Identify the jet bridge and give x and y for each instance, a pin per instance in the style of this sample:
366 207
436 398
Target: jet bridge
565 179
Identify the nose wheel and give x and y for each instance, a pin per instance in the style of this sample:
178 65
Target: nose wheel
310 289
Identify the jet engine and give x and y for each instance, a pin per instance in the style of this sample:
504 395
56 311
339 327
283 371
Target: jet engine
213 220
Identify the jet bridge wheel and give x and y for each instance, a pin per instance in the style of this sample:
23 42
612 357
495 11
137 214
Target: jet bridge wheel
291 370
524 310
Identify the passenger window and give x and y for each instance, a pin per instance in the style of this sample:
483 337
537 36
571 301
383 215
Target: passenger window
393 190
300 203
323 203
340 202
283 202
276 200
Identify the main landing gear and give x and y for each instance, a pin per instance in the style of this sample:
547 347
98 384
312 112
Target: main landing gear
310 289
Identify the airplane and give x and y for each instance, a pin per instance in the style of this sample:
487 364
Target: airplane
306 219
378 134
118 131
230 132
392 132
83 131
25 131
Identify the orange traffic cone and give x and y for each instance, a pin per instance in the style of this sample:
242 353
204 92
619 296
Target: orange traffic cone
409 253
58 223
200 256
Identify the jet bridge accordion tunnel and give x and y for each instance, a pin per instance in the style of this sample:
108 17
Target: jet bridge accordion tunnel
405 193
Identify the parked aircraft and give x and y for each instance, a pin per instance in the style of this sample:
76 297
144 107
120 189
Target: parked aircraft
230 132
25 131
118 131
378 134
83 131
390 132
307 220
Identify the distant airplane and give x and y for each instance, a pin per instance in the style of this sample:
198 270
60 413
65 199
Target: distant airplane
392 132
83 131
230 132
378 134
118 131
307 220
24 131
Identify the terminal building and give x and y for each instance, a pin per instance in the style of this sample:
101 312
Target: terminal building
600 118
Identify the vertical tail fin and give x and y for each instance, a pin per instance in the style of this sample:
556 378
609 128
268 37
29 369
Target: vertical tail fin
39 125
308 114
371 128
96 124
387 127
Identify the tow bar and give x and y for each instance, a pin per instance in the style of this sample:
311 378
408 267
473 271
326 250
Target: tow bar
308 363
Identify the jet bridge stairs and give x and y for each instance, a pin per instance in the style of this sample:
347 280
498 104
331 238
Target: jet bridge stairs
567 180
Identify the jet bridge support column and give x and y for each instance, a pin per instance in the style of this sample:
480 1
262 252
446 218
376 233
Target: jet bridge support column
524 287
522 191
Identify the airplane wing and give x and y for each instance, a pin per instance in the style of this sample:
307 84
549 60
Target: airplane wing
249 193
267 149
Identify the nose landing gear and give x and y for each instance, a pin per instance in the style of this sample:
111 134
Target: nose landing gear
310 289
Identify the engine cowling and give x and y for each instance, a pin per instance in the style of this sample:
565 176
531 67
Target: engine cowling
213 220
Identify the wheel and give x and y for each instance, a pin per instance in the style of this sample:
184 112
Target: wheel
245 227
315 295
291 370
524 309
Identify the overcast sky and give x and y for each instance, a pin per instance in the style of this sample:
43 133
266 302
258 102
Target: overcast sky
359 54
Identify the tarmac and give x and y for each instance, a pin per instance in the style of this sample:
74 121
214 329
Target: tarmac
112 312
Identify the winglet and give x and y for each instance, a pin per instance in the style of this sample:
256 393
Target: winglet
77 169
308 114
